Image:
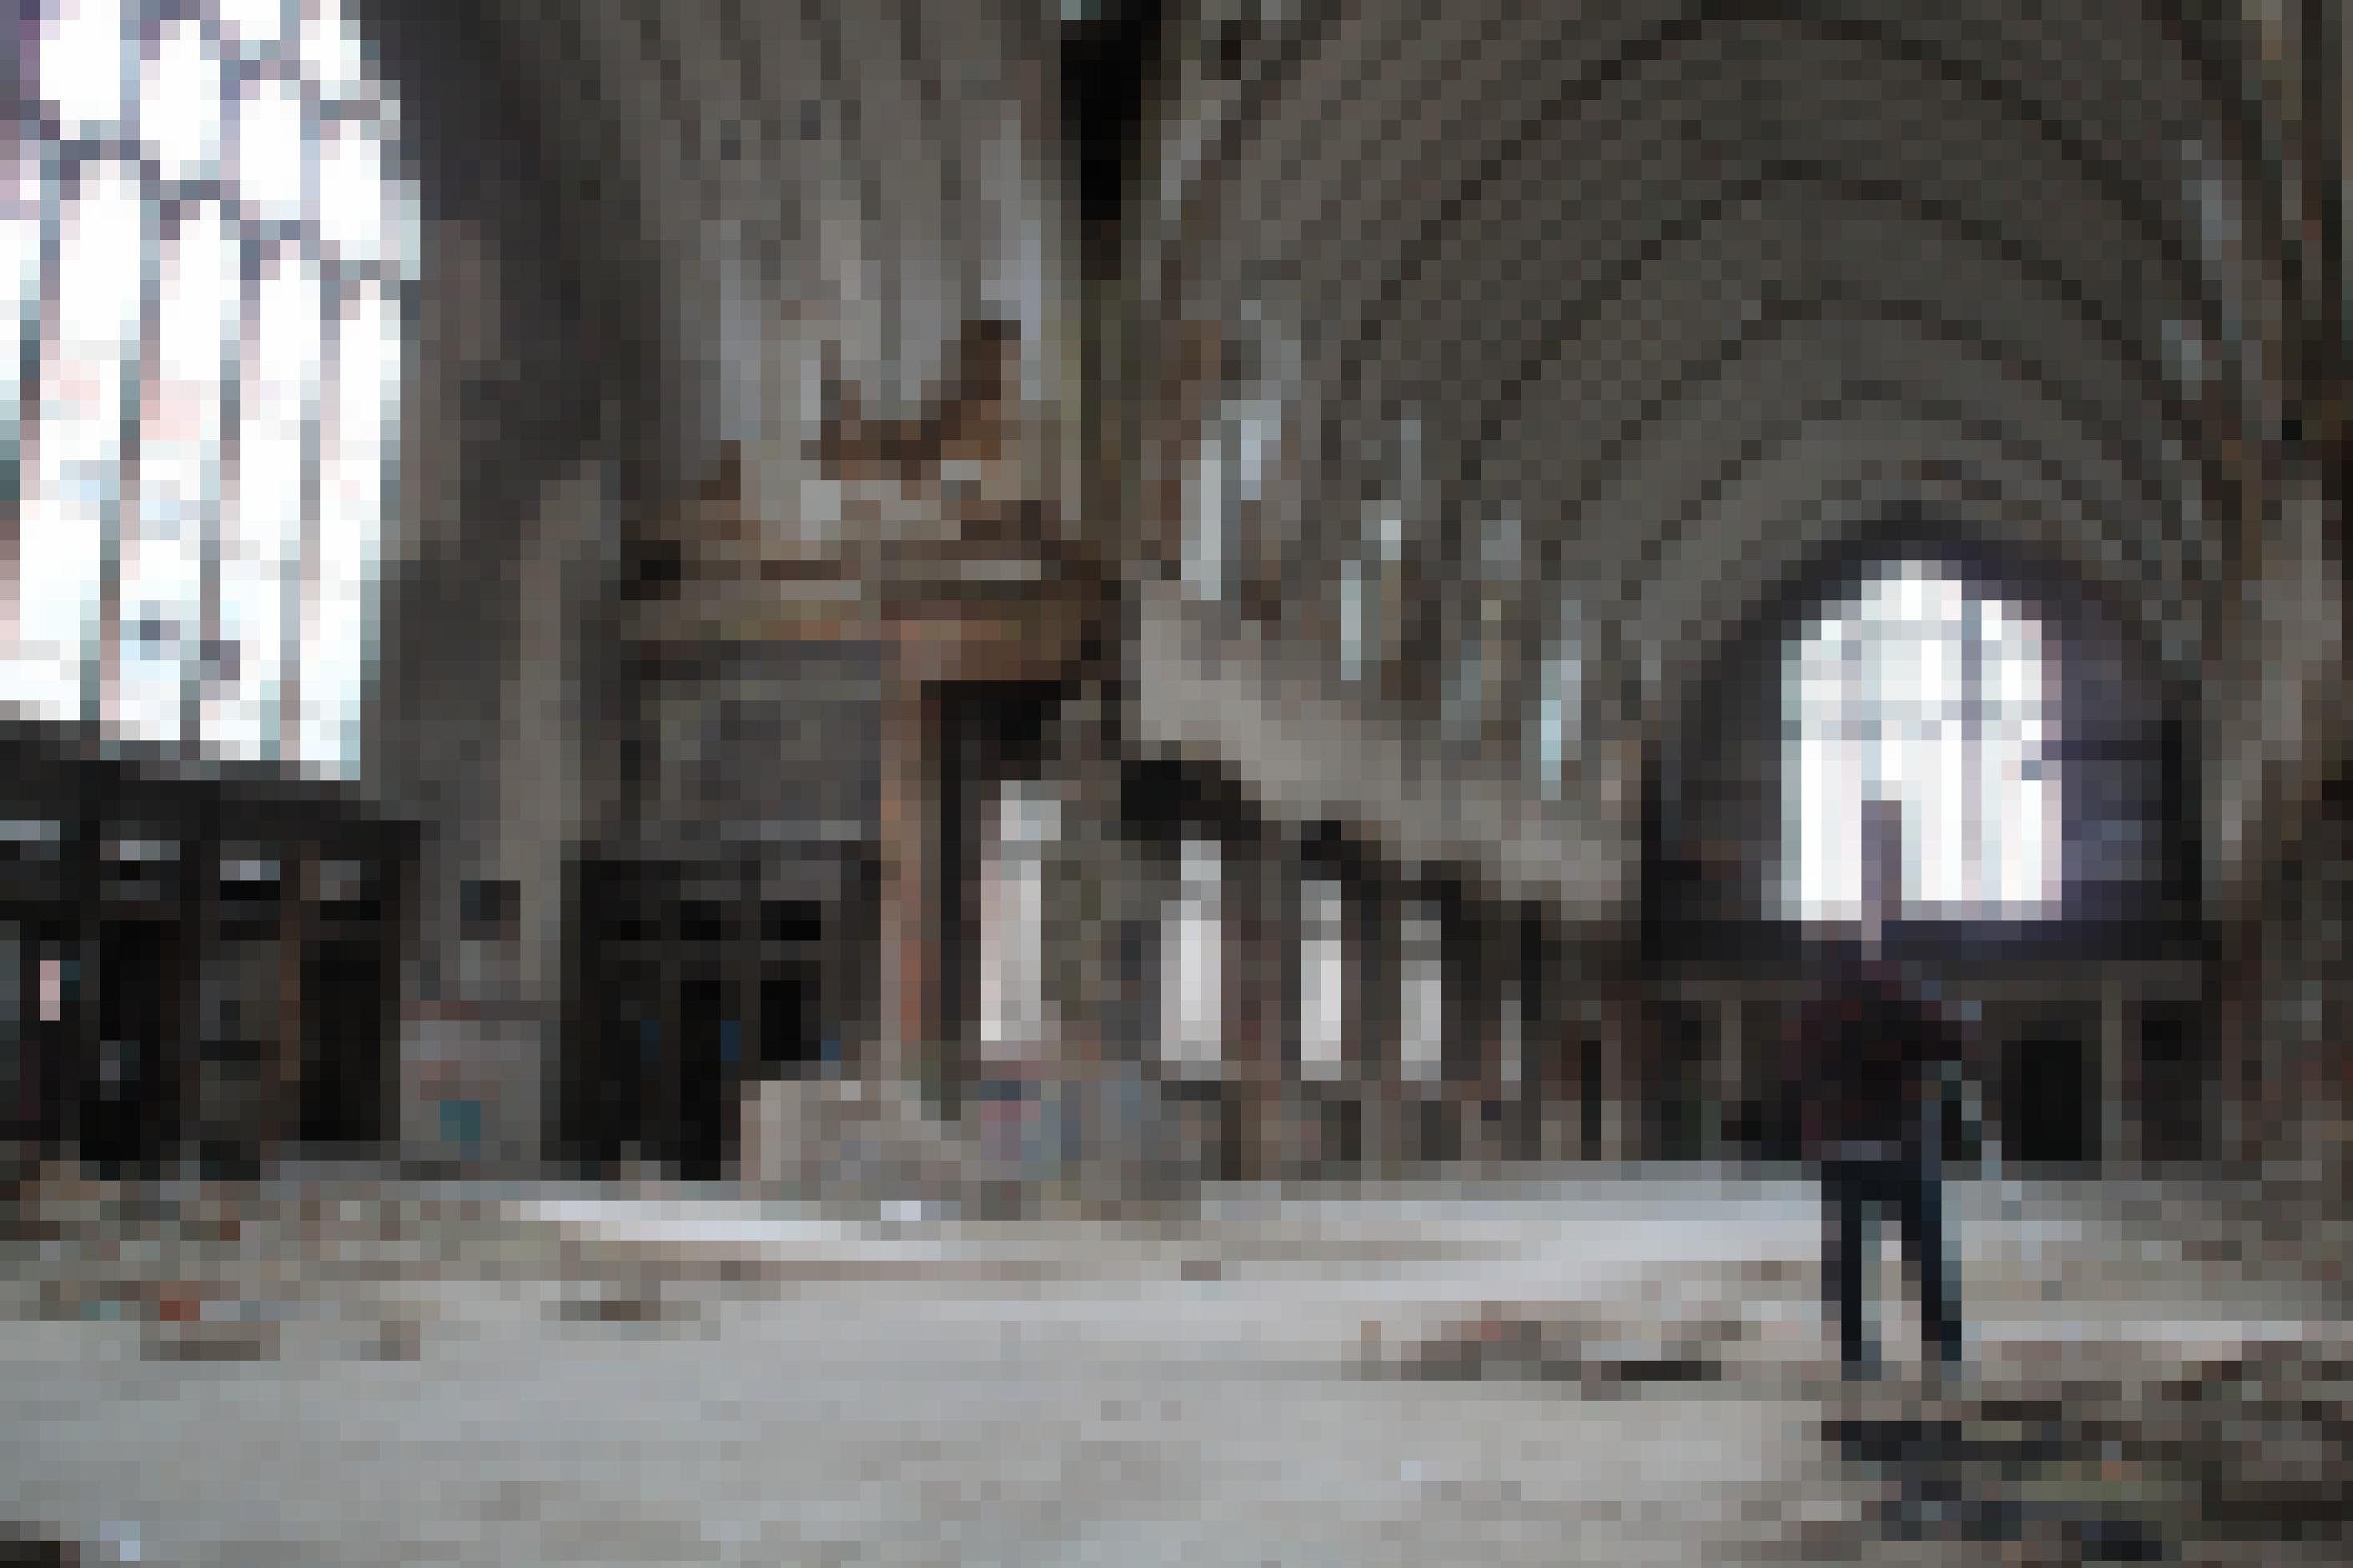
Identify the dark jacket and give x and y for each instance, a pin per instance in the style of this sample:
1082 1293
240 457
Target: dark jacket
1863 1057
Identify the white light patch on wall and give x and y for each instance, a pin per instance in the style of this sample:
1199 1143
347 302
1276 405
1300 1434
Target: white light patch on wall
1192 963
1421 974
1352 620
1205 538
1014 1011
1560 695
1322 980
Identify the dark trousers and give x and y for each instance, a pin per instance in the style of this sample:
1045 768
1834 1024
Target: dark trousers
1904 1188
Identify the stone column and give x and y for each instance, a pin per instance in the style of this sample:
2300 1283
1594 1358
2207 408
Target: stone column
1494 986
1512 1075
1277 913
668 1140
1731 1085
199 907
2120 1079
1253 1065
1379 1066
298 876
750 967
908 1048
403 916
1553 1048
1560 1127
79 1032
1622 1074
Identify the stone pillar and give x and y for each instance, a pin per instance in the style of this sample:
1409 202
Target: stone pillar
1379 1066
77 1035
2236 1126
1283 1136
2120 1079
908 1048
1253 1026
668 1140
751 970
1622 1075
1560 1127
1731 1086
404 936
199 908
1511 1063
1554 1052
297 878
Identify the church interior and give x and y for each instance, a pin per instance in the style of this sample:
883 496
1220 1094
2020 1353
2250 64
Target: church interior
1224 590
979 602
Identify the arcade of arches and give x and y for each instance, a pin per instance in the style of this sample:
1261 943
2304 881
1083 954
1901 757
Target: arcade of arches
1238 588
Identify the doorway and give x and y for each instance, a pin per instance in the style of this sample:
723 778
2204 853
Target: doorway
2177 1085
2048 1098
789 1042
125 1104
344 1008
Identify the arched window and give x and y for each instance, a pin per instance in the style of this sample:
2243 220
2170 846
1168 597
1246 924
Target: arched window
1192 963
1560 718
205 247
1229 477
1015 1011
1421 992
1322 978
1919 691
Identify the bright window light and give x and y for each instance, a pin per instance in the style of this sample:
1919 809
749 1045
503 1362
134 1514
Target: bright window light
1921 691
219 340
1322 980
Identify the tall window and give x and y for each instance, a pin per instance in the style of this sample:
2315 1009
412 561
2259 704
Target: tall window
1421 981
1921 692
1371 585
1192 963
1228 481
205 245
1560 704
1322 978
1013 1005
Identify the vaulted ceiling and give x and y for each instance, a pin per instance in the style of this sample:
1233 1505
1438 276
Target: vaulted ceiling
1697 288
1687 286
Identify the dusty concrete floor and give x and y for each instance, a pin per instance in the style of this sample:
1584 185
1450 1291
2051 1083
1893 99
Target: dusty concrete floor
1600 1370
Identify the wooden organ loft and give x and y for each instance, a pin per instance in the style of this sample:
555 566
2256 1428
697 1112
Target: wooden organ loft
195 966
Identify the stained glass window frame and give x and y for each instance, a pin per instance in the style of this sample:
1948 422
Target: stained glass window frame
226 707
